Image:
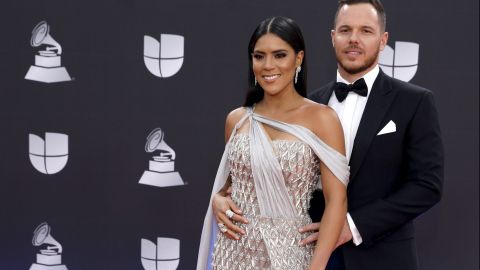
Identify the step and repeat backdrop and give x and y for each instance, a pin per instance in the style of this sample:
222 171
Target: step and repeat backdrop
112 115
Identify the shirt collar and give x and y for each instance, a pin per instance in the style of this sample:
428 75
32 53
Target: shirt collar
369 78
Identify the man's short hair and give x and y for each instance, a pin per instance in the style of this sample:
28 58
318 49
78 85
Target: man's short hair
377 5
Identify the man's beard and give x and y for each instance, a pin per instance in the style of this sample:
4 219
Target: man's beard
369 62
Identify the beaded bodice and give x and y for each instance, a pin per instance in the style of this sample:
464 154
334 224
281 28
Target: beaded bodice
300 168
269 243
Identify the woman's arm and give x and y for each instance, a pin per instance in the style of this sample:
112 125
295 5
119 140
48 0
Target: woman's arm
329 130
221 202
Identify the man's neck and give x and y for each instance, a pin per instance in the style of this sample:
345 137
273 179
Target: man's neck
351 78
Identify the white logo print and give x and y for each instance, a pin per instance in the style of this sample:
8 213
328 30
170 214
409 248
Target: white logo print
49 156
163 256
161 171
47 66
165 58
49 258
401 63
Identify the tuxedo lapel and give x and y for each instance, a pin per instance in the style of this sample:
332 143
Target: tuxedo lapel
324 96
379 101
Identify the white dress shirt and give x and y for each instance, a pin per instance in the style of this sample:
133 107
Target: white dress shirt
350 113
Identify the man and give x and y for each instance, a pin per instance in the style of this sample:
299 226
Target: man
393 144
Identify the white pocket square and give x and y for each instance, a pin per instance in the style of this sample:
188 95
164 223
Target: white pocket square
390 127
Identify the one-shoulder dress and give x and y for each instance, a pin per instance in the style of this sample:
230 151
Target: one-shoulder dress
272 182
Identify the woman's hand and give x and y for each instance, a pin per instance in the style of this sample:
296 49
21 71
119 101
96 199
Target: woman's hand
220 205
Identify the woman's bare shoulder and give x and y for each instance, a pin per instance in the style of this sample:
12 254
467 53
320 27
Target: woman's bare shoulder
320 118
324 122
233 118
315 112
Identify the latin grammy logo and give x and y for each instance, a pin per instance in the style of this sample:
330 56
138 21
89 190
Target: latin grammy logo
161 171
47 66
49 258
165 255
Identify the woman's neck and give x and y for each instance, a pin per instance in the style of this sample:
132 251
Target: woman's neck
281 103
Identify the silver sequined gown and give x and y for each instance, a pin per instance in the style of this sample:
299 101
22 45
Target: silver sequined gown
269 243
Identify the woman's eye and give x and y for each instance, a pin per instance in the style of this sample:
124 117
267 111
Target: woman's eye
280 55
258 56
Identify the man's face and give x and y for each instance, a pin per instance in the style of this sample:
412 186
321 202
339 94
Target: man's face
358 38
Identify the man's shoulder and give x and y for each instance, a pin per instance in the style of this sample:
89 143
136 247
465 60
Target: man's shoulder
409 95
407 88
317 93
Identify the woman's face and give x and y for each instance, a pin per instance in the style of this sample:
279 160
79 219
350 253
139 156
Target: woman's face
274 62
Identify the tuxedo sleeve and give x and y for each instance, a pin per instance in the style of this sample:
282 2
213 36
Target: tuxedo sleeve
421 185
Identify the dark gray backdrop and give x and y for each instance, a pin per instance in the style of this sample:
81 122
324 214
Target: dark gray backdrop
95 206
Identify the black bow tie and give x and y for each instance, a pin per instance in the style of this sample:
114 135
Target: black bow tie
342 89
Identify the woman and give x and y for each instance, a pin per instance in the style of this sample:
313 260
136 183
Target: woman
278 144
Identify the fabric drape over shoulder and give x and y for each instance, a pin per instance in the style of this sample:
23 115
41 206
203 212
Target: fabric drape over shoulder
272 194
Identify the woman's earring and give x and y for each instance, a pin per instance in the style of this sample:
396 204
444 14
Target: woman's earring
255 81
299 68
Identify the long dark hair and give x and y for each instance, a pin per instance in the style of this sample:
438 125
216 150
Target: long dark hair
286 29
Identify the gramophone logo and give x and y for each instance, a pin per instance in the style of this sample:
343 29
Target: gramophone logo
163 58
401 63
49 258
165 255
161 171
48 67
48 156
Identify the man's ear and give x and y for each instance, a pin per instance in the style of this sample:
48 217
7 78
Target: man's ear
332 35
383 41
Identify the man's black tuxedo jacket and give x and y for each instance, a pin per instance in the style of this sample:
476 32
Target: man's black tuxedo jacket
394 177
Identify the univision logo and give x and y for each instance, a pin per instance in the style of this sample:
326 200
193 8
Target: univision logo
401 63
165 255
163 58
48 156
